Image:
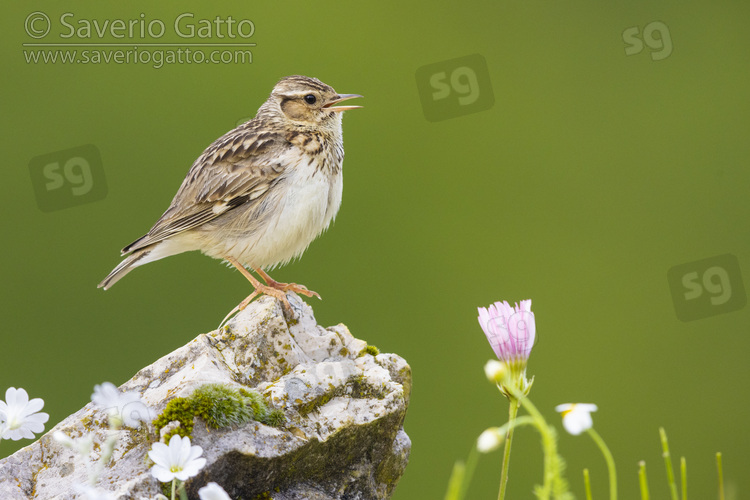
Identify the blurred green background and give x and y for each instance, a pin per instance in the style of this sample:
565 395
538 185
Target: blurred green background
611 150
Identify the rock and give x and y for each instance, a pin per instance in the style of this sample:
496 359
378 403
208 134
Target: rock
343 437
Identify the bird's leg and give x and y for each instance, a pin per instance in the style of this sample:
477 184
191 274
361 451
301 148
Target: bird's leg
259 288
294 287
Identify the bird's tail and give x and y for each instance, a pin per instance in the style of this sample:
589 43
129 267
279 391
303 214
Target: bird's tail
133 260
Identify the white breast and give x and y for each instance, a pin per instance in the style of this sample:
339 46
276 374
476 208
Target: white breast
307 205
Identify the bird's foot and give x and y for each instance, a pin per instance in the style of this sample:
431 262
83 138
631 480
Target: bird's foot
271 291
286 287
292 287
272 288
277 293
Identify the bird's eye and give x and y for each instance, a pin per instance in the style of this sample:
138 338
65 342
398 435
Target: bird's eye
310 99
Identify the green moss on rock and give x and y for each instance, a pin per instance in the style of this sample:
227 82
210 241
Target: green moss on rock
219 406
180 410
370 349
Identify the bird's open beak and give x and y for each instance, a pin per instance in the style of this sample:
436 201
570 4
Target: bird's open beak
339 98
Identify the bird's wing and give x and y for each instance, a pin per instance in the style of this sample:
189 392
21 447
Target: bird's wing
239 167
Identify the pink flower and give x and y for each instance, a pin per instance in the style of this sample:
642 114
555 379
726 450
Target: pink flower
511 331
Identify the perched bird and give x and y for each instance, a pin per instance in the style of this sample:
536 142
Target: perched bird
261 193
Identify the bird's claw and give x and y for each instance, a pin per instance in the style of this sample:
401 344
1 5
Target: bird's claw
300 289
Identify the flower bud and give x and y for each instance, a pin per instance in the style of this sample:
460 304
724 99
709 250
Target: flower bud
489 440
495 371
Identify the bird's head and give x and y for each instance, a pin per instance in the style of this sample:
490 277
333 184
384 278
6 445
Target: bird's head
302 101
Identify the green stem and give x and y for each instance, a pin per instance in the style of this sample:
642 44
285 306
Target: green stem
181 491
610 462
471 464
174 482
461 476
551 460
587 483
643 480
683 476
512 412
721 475
456 481
668 463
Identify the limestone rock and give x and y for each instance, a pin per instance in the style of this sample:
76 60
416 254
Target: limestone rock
343 437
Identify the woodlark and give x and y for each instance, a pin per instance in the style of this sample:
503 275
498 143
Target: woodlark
261 193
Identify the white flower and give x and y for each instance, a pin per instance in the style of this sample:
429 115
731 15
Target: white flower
81 445
576 416
178 460
106 395
213 491
489 440
19 417
495 371
125 406
91 493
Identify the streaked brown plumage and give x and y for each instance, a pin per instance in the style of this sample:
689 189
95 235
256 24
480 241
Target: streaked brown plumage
261 193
